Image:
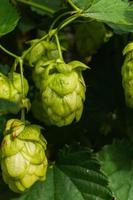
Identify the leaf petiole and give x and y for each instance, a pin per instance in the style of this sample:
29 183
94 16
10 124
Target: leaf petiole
73 5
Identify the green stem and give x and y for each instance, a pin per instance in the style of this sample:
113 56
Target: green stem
38 6
22 85
73 5
23 114
58 46
8 52
53 32
14 66
59 17
69 20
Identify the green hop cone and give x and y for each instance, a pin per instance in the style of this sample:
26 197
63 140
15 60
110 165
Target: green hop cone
16 91
41 49
11 92
127 74
62 91
23 159
5 87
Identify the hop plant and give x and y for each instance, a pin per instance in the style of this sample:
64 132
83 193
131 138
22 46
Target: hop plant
127 74
23 159
11 90
62 91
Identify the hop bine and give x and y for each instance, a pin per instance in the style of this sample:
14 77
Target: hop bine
127 74
23 159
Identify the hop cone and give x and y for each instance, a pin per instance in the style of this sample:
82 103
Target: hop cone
11 91
45 49
62 91
17 87
5 87
127 75
23 159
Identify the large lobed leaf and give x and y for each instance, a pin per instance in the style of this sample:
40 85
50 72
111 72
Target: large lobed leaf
75 176
116 13
117 164
8 17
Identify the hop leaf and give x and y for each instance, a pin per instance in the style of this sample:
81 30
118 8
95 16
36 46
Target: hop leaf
75 176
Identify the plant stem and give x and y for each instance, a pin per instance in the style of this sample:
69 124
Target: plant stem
58 46
14 66
38 6
69 20
59 17
53 32
8 52
22 85
73 5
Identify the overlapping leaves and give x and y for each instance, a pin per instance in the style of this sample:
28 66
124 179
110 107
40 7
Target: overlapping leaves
75 176
117 163
116 13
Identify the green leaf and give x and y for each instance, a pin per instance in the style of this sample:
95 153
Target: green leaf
8 17
75 176
117 164
123 27
44 6
84 4
4 69
113 12
7 106
93 39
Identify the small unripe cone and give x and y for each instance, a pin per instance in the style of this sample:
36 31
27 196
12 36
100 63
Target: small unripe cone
23 159
5 87
16 90
127 75
42 49
11 92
